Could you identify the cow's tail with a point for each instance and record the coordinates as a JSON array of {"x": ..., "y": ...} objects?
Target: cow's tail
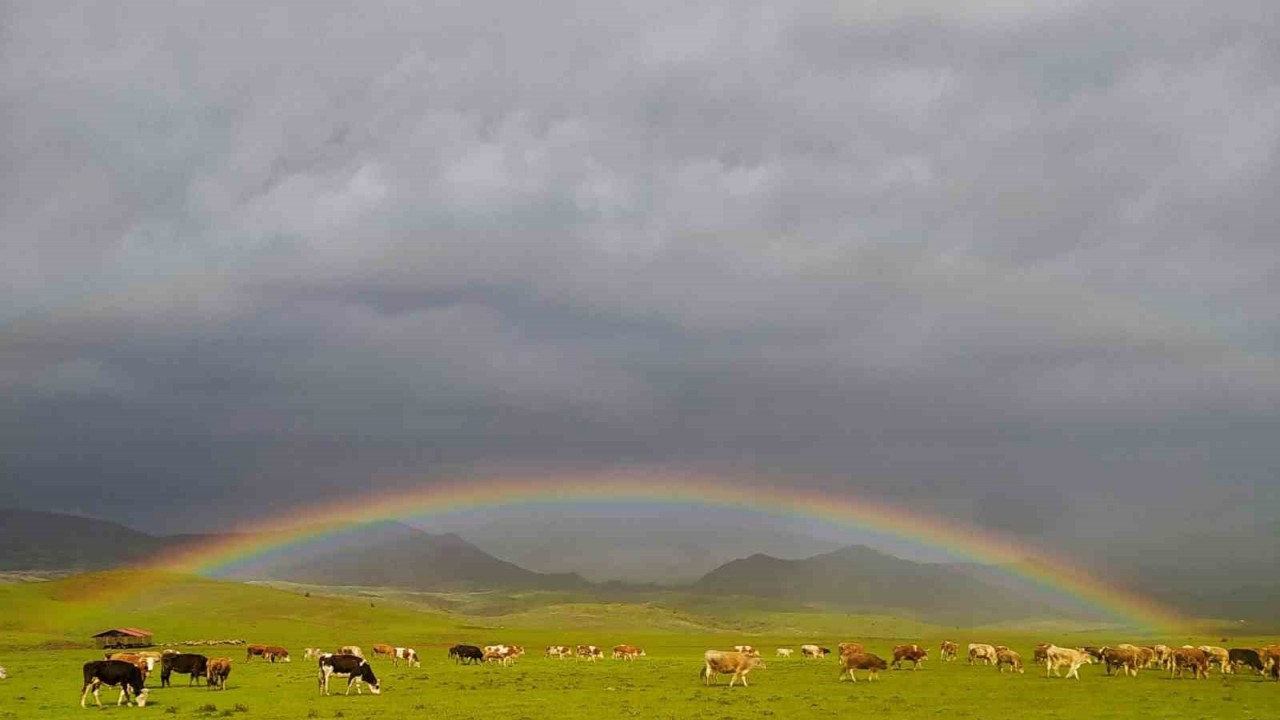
[{"x": 702, "y": 674}]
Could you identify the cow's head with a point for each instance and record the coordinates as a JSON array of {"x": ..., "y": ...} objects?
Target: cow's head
[
  {"x": 375, "y": 688},
  {"x": 141, "y": 698}
]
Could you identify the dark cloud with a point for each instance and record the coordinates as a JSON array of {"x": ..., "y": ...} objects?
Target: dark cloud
[{"x": 949, "y": 255}]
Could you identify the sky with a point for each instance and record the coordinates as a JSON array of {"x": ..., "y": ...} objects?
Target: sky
[{"x": 1011, "y": 262}]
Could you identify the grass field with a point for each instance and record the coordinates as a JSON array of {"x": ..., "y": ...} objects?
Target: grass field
[{"x": 44, "y": 629}]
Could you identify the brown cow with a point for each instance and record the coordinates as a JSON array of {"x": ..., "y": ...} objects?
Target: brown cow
[
  {"x": 850, "y": 648},
  {"x": 914, "y": 653},
  {"x": 145, "y": 665},
  {"x": 254, "y": 650},
  {"x": 216, "y": 675},
  {"x": 1121, "y": 658},
  {"x": 381, "y": 649},
  {"x": 1010, "y": 658},
  {"x": 1189, "y": 657},
  {"x": 275, "y": 653},
  {"x": 628, "y": 652},
  {"x": 716, "y": 662},
  {"x": 862, "y": 661},
  {"x": 1041, "y": 653}
]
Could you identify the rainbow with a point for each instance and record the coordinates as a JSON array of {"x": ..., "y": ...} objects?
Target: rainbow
[{"x": 305, "y": 526}]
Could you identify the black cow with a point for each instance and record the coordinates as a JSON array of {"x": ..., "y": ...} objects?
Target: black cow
[
  {"x": 466, "y": 654},
  {"x": 113, "y": 672},
  {"x": 352, "y": 667},
  {"x": 1245, "y": 656},
  {"x": 197, "y": 666}
]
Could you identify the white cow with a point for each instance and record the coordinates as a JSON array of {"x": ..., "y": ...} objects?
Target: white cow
[
  {"x": 409, "y": 655},
  {"x": 784, "y": 652},
  {"x": 813, "y": 651},
  {"x": 982, "y": 652},
  {"x": 1056, "y": 657}
]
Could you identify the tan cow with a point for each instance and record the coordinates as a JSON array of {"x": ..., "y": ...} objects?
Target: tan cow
[
  {"x": 862, "y": 661},
  {"x": 748, "y": 649},
  {"x": 1218, "y": 655},
  {"x": 716, "y": 662},
  {"x": 627, "y": 652},
  {"x": 1072, "y": 659},
  {"x": 813, "y": 651},
  {"x": 949, "y": 650},
  {"x": 1010, "y": 658},
  {"x": 982, "y": 652},
  {"x": 1189, "y": 657},
  {"x": 383, "y": 650},
  {"x": 351, "y": 650},
  {"x": 784, "y": 652},
  {"x": 850, "y": 648},
  {"x": 217, "y": 672},
  {"x": 1121, "y": 658}
]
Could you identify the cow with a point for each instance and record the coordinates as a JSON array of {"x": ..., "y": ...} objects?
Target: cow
[
  {"x": 352, "y": 667},
  {"x": 1121, "y": 658},
  {"x": 219, "y": 669},
  {"x": 1010, "y": 658},
  {"x": 145, "y": 664},
  {"x": 982, "y": 652},
  {"x": 311, "y": 653},
  {"x": 113, "y": 672},
  {"x": 627, "y": 652},
  {"x": 716, "y": 662},
  {"x": 849, "y": 648},
  {"x": 197, "y": 666},
  {"x": 381, "y": 649},
  {"x": 1247, "y": 657},
  {"x": 466, "y": 654},
  {"x": 275, "y": 653},
  {"x": 1218, "y": 655},
  {"x": 350, "y": 650},
  {"x": 1096, "y": 652},
  {"x": 558, "y": 651},
  {"x": 748, "y": 649},
  {"x": 1164, "y": 655},
  {"x": 784, "y": 652},
  {"x": 506, "y": 654},
  {"x": 1146, "y": 656},
  {"x": 590, "y": 652},
  {"x": 861, "y": 661},
  {"x": 813, "y": 651},
  {"x": 1041, "y": 653},
  {"x": 1072, "y": 659},
  {"x": 255, "y": 650},
  {"x": 1189, "y": 657},
  {"x": 914, "y": 653},
  {"x": 948, "y": 650},
  {"x": 3, "y": 673},
  {"x": 409, "y": 655}
]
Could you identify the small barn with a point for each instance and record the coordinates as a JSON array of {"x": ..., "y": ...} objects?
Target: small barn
[{"x": 127, "y": 637}]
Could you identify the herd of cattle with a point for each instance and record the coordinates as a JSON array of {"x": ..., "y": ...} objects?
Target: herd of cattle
[{"x": 129, "y": 670}]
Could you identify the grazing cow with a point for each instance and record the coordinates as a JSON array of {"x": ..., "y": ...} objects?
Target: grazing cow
[
  {"x": 627, "y": 652},
  {"x": 1010, "y": 658},
  {"x": 409, "y": 655},
  {"x": 466, "y": 654},
  {"x": 311, "y": 653},
  {"x": 784, "y": 652},
  {"x": 1189, "y": 657},
  {"x": 849, "y": 648},
  {"x": 861, "y": 661},
  {"x": 275, "y": 653},
  {"x": 982, "y": 652},
  {"x": 1247, "y": 657},
  {"x": 1164, "y": 655},
  {"x": 813, "y": 651},
  {"x": 558, "y": 651},
  {"x": 380, "y": 649},
  {"x": 219, "y": 669},
  {"x": 914, "y": 653},
  {"x": 1121, "y": 658},
  {"x": 721, "y": 661},
  {"x": 197, "y": 666},
  {"x": 949, "y": 649},
  {"x": 352, "y": 667},
  {"x": 1072, "y": 659},
  {"x": 350, "y": 650},
  {"x": 590, "y": 652},
  {"x": 113, "y": 672},
  {"x": 1218, "y": 655},
  {"x": 250, "y": 651},
  {"x": 748, "y": 649}
]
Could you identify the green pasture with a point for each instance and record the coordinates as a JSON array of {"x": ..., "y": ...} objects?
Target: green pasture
[{"x": 44, "y": 629}]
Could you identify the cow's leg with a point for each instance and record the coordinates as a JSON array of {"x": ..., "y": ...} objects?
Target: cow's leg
[
  {"x": 97, "y": 685},
  {"x": 84, "y": 693}
]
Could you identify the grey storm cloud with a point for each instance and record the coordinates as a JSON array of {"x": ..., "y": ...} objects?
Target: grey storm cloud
[{"x": 972, "y": 257}]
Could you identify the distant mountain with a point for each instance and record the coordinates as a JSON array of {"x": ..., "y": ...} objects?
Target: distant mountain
[
  {"x": 858, "y": 578},
  {"x": 31, "y": 540},
  {"x": 391, "y": 554}
]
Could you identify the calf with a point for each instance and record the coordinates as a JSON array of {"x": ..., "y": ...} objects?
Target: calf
[
  {"x": 1010, "y": 658},
  {"x": 353, "y": 667},
  {"x": 783, "y": 652},
  {"x": 113, "y": 672},
  {"x": 861, "y": 661},
  {"x": 913, "y": 653},
  {"x": 716, "y": 662},
  {"x": 949, "y": 649},
  {"x": 197, "y": 666},
  {"x": 466, "y": 654},
  {"x": 216, "y": 676}
]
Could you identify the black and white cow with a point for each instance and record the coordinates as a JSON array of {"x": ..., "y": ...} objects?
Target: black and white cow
[
  {"x": 466, "y": 654},
  {"x": 197, "y": 666},
  {"x": 356, "y": 669},
  {"x": 113, "y": 672}
]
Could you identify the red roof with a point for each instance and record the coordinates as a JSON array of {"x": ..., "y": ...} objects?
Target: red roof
[{"x": 131, "y": 632}]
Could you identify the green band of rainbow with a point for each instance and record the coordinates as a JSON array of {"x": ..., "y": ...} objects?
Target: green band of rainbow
[{"x": 841, "y": 509}]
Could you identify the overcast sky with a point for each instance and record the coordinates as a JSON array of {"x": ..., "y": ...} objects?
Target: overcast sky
[{"x": 1015, "y": 262}]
